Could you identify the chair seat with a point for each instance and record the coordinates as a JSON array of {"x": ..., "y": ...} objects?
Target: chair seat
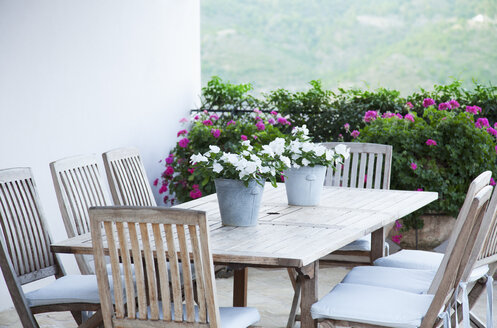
[
  {"x": 412, "y": 259},
  {"x": 231, "y": 317},
  {"x": 67, "y": 289},
  {"x": 361, "y": 244},
  {"x": 372, "y": 305},
  {"x": 422, "y": 260}
]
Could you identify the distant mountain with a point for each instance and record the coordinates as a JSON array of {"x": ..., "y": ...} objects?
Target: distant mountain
[{"x": 403, "y": 44}]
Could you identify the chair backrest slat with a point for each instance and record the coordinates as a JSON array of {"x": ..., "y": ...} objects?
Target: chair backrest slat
[
  {"x": 78, "y": 186},
  {"x": 368, "y": 166},
  {"x": 127, "y": 178},
  {"x": 180, "y": 236},
  {"x": 458, "y": 259},
  {"x": 22, "y": 227}
]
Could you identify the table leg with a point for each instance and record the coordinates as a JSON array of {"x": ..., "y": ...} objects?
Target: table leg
[
  {"x": 377, "y": 244},
  {"x": 309, "y": 294},
  {"x": 240, "y": 280}
]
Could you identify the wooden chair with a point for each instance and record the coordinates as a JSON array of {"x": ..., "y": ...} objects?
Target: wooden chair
[
  {"x": 153, "y": 235},
  {"x": 369, "y": 166},
  {"x": 78, "y": 186},
  {"x": 25, "y": 256},
  {"x": 127, "y": 178},
  {"x": 355, "y": 305}
]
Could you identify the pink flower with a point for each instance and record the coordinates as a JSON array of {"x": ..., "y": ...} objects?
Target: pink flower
[
  {"x": 207, "y": 122},
  {"x": 195, "y": 193},
  {"x": 214, "y": 117},
  {"x": 427, "y": 102},
  {"x": 172, "y": 201},
  {"x": 355, "y": 134},
  {"x": 444, "y": 106},
  {"x": 260, "y": 126},
  {"x": 258, "y": 111},
  {"x": 495, "y": 125},
  {"x": 399, "y": 115},
  {"x": 419, "y": 189},
  {"x": 258, "y": 118},
  {"x": 230, "y": 123},
  {"x": 414, "y": 166},
  {"x": 206, "y": 112},
  {"x": 183, "y": 120},
  {"x": 216, "y": 133},
  {"x": 181, "y": 132},
  {"x": 492, "y": 182},
  {"x": 496, "y": 149},
  {"x": 370, "y": 116},
  {"x": 454, "y": 104},
  {"x": 183, "y": 143},
  {"x": 346, "y": 127},
  {"x": 397, "y": 238},
  {"x": 473, "y": 109},
  {"x": 431, "y": 142},
  {"x": 156, "y": 181},
  {"x": 409, "y": 104},
  {"x": 169, "y": 170},
  {"x": 282, "y": 177},
  {"x": 492, "y": 131},
  {"x": 255, "y": 137},
  {"x": 271, "y": 121},
  {"x": 481, "y": 122},
  {"x": 196, "y": 118},
  {"x": 409, "y": 117},
  {"x": 170, "y": 159},
  {"x": 195, "y": 186},
  {"x": 282, "y": 120},
  {"x": 165, "y": 199},
  {"x": 398, "y": 225},
  {"x": 163, "y": 189},
  {"x": 273, "y": 112},
  {"x": 243, "y": 137},
  {"x": 191, "y": 170}
]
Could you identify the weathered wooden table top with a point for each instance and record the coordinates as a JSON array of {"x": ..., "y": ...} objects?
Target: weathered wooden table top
[{"x": 294, "y": 236}]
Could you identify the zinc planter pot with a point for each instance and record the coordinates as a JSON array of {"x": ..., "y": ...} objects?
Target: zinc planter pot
[
  {"x": 239, "y": 205},
  {"x": 304, "y": 185}
]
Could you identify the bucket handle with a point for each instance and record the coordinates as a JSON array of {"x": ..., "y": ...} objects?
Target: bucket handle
[{"x": 310, "y": 177}]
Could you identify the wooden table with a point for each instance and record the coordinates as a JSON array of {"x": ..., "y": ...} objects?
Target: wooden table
[{"x": 295, "y": 236}]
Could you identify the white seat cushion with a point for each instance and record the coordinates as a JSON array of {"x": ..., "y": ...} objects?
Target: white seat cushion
[
  {"x": 231, "y": 317},
  {"x": 361, "y": 244},
  {"x": 409, "y": 280},
  {"x": 422, "y": 260},
  {"x": 373, "y": 305},
  {"x": 67, "y": 289},
  {"x": 412, "y": 259}
]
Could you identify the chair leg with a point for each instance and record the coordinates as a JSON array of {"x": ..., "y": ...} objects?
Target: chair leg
[
  {"x": 292, "y": 274},
  {"x": 94, "y": 321},
  {"x": 295, "y": 303},
  {"x": 78, "y": 317}
]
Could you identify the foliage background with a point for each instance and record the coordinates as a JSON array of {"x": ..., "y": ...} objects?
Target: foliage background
[{"x": 402, "y": 45}]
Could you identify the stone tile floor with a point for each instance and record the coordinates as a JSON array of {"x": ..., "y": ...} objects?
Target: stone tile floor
[{"x": 270, "y": 291}]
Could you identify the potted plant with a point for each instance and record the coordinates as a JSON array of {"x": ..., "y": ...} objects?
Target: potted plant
[
  {"x": 306, "y": 171},
  {"x": 239, "y": 178}
]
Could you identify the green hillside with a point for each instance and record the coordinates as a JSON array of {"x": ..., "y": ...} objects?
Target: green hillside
[{"x": 403, "y": 44}]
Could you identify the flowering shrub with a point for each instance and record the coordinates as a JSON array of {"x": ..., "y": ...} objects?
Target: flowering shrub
[
  {"x": 246, "y": 164},
  {"x": 441, "y": 151},
  {"x": 178, "y": 182},
  {"x": 300, "y": 151}
]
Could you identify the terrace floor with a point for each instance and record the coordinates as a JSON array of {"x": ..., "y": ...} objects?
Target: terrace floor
[{"x": 270, "y": 292}]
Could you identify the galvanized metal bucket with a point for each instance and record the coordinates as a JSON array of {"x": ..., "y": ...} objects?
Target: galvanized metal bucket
[
  {"x": 239, "y": 205},
  {"x": 304, "y": 185}
]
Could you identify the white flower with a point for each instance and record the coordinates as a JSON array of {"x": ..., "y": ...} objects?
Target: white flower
[
  {"x": 295, "y": 147},
  {"x": 295, "y": 165},
  {"x": 214, "y": 149},
  {"x": 264, "y": 169},
  {"x": 216, "y": 167},
  {"x": 247, "y": 144},
  {"x": 229, "y": 158},
  {"x": 307, "y": 146},
  {"x": 295, "y": 156},
  {"x": 286, "y": 161},
  {"x": 277, "y": 146},
  {"x": 198, "y": 158},
  {"x": 245, "y": 153},
  {"x": 319, "y": 150},
  {"x": 266, "y": 149},
  {"x": 343, "y": 150},
  {"x": 329, "y": 154},
  {"x": 305, "y": 162}
]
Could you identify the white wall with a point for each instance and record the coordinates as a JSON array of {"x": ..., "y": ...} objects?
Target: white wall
[{"x": 80, "y": 77}]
